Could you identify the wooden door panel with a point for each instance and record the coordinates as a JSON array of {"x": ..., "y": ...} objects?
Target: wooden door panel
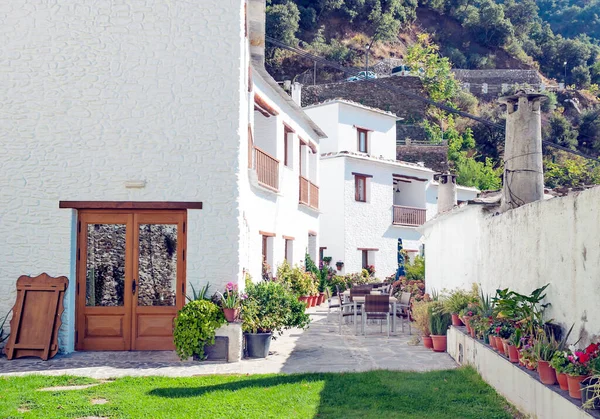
[
  {"x": 104, "y": 281},
  {"x": 158, "y": 266}
]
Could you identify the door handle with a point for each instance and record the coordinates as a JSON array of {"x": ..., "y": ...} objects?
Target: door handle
[{"x": 133, "y": 286}]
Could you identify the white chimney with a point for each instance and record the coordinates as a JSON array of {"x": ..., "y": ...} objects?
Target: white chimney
[
  {"x": 523, "y": 163},
  {"x": 256, "y": 26},
  {"x": 297, "y": 93},
  {"x": 447, "y": 199}
]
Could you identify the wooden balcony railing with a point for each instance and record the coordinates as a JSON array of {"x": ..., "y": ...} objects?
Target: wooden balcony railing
[
  {"x": 309, "y": 193},
  {"x": 409, "y": 216},
  {"x": 267, "y": 169},
  {"x": 314, "y": 195}
]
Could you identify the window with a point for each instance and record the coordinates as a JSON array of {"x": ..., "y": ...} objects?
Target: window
[
  {"x": 287, "y": 146},
  {"x": 321, "y": 254},
  {"x": 360, "y": 184},
  {"x": 288, "y": 252},
  {"x": 363, "y": 140},
  {"x": 365, "y": 259},
  {"x": 267, "y": 254}
]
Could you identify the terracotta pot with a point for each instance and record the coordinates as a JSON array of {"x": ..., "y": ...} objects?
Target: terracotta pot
[
  {"x": 505, "y": 346},
  {"x": 563, "y": 382},
  {"x": 305, "y": 299},
  {"x": 427, "y": 342},
  {"x": 529, "y": 367},
  {"x": 439, "y": 343},
  {"x": 472, "y": 333},
  {"x": 492, "y": 340},
  {"x": 231, "y": 314},
  {"x": 547, "y": 373},
  {"x": 574, "y": 388},
  {"x": 322, "y": 298},
  {"x": 313, "y": 300},
  {"x": 497, "y": 343},
  {"x": 456, "y": 321},
  {"x": 513, "y": 354}
]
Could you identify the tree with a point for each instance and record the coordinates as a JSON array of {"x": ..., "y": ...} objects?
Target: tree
[
  {"x": 581, "y": 76},
  {"x": 589, "y": 132},
  {"x": 562, "y": 132},
  {"x": 282, "y": 22},
  {"x": 570, "y": 171}
]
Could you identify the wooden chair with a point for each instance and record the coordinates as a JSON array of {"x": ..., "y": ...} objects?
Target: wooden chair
[
  {"x": 403, "y": 309},
  {"x": 332, "y": 302},
  {"x": 346, "y": 307},
  {"x": 377, "y": 307}
]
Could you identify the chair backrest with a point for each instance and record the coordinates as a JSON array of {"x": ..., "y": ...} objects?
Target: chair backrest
[
  {"x": 327, "y": 293},
  {"x": 391, "y": 291},
  {"x": 377, "y": 304},
  {"x": 354, "y": 291},
  {"x": 405, "y": 298}
]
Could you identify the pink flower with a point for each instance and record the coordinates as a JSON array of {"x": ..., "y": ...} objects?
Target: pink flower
[{"x": 229, "y": 286}]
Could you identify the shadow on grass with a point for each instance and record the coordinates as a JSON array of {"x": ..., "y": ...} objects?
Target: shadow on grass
[{"x": 442, "y": 394}]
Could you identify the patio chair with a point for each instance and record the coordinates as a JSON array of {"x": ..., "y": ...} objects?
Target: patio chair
[
  {"x": 403, "y": 309},
  {"x": 346, "y": 308},
  {"x": 332, "y": 302},
  {"x": 377, "y": 307}
]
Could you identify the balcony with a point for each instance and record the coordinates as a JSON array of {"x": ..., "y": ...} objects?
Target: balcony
[
  {"x": 267, "y": 169},
  {"x": 309, "y": 193},
  {"x": 409, "y": 216}
]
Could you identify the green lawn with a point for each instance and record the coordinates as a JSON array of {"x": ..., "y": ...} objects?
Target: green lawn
[{"x": 378, "y": 394}]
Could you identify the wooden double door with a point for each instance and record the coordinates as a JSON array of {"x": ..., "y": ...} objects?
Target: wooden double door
[{"x": 130, "y": 279}]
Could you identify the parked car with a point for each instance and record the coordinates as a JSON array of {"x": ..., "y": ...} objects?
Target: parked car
[
  {"x": 404, "y": 70},
  {"x": 366, "y": 75},
  {"x": 352, "y": 78}
]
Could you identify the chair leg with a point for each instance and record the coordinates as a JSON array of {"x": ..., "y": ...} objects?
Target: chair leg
[
  {"x": 341, "y": 319},
  {"x": 387, "y": 324},
  {"x": 364, "y": 329}
]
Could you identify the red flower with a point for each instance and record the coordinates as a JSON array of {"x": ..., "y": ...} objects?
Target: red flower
[
  {"x": 582, "y": 358},
  {"x": 592, "y": 348}
]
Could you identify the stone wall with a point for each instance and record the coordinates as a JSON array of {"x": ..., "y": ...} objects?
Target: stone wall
[
  {"x": 434, "y": 157},
  {"x": 412, "y": 132},
  {"x": 374, "y": 94},
  {"x": 553, "y": 241},
  {"x": 494, "y": 81}
]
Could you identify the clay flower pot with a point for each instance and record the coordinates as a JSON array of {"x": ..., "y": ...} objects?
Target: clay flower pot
[
  {"x": 529, "y": 366},
  {"x": 313, "y": 300},
  {"x": 563, "y": 382},
  {"x": 505, "y": 346},
  {"x": 427, "y": 342},
  {"x": 305, "y": 299},
  {"x": 456, "y": 321},
  {"x": 439, "y": 343},
  {"x": 492, "y": 340},
  {"x": 547, "y": 373},
  {"x": 231, "y": 314},
  {"x": 574, "y": 388},
  {"x": 513, "y": 354},
  {"x": 321, "y": 298}
]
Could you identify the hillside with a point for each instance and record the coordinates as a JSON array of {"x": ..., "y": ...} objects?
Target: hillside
[{"x": 467, "y": 34}]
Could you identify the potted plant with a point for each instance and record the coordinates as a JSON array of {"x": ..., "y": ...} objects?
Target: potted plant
[
  {"x": 545, "y": 348},
  {"x": 195, "y": 327},
  {"x": 327, "y": 260},
  {"x": 420, "y": 313},
  {"x": 269, "y": 307},
  {"x": 506, "y": 330},
  {"x": 439, "y": 322},
  {"x": 577, "y": 370},
  {"x": 527, "y": 355},
  {"x": 339, "y": 265},
  {"x": 560, "y": 361},
  {"x": 514, "y": 343},
  {"x": 590, "y": 387},
  {"x": 230, "y": 301},
  {"x": 455, "y": 303}
]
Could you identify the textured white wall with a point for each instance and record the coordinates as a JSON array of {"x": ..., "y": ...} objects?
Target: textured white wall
[
  {"x": 332, "y": 219},
  {"x": 327, "y": 117},
  {"x": 554, "y": 242},
  {"x": 99, "y": 93}
]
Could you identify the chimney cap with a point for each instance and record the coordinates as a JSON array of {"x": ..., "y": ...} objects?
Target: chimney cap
[
  {"x": 437, "y": 176},
  {"x": 526, "y": 93}
]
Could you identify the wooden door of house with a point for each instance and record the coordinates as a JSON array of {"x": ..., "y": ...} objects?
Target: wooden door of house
[{"x": 131, "y": 279}]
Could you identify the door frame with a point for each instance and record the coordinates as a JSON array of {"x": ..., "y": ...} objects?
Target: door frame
[{"x": 130, "y": 307}]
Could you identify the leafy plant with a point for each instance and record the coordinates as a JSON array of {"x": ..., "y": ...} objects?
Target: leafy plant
[
  {"x": 526, "y": 309},
  {"x": 3, "y": 335},
  {"x": 560, "y": 360},
  {"x": 515, "y": 338},
  {"x": 195, "y": 327},
  {"x": 420, "y": 314},
  {"x": 231, "y": 298},
  {"x": 200, "y": 295},
  {"x": 439, "y": 319},
  {"x": 271, "y": 307},
  {"x": 456, "y": 301}
]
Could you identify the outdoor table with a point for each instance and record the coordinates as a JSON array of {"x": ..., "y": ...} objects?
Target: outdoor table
[{"x": 360, "y": 299}]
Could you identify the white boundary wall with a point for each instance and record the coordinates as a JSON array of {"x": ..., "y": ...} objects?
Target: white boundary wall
[{"x": 555, "y": 241}]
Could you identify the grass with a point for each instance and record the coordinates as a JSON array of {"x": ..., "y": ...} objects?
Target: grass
[{"x": 457, "y": 393}]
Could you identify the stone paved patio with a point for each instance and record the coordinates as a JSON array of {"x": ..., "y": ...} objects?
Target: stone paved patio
[{"x": 318, "y": 349}]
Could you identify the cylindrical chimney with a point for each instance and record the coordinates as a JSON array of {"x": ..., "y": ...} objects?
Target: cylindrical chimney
[
  {"x": 446, "y": 191},
  {"x": 523, "y": 163},
  {"x": 256, "y": 26}
]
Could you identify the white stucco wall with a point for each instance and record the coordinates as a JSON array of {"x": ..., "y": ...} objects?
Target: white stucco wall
[
  {"x": 278, "y": 212},
  {"x": 95, "y": 95},
  {"x": 339, "y": 120},
  {"x": 554, "y": 241}
]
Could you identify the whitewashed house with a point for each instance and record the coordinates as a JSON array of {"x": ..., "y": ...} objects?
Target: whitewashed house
[
  {"x": 144, "y": 148},
  {"x": 369, "y": 199}
]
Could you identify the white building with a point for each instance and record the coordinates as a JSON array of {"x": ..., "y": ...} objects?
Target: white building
[
  {"x": 131, "y": 135},
  {"x": 368, "y": 198}
]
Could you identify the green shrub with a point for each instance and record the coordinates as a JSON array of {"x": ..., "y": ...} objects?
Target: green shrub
[
  {"x": 456, "y": 301},
  {"x": 195, "y": 327},
  {"x": 439, "y": 320},
  {"x": 272, "y": 307}
]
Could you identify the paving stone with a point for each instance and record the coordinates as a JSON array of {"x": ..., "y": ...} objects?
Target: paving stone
[{"x": 320, "y": 348}]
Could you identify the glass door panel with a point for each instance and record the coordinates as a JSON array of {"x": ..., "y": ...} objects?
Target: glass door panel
[{"x": 157, "y": 262}]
